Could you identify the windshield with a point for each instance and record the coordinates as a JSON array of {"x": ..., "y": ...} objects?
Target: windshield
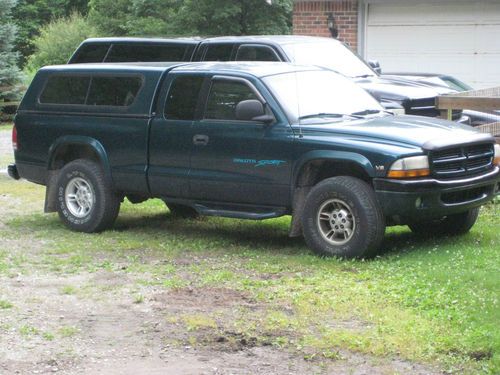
[
  {"x": 329, "y": 54},
  {"x": 321, "y": 96}
]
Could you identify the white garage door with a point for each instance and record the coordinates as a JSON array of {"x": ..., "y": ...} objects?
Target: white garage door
[{"x": 460, "y": 38}]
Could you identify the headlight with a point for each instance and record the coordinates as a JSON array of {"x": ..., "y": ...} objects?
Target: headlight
[
  {"x": 414, "y": 166},
  {"x": 496, "y": 160}
]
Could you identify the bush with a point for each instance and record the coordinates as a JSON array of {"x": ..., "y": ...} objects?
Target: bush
[{"x": 58, "y": 40}]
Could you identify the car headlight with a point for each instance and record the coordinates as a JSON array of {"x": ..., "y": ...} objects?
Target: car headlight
[
  {"x": 413, "y": 166},
  {"x": 496, "y": 159}
]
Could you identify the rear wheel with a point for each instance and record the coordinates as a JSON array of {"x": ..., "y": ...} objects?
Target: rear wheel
[
  {"x": 343, "y": 218},
  {"x": 450, "y": 225},
  {"x": 85, "y": 199}
]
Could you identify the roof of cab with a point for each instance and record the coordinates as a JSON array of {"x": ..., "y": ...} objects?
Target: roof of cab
[
  {"x": 258, "y": 69},
  {"x": 129, "y": 40},
  {"x": 273, "y": 39}
]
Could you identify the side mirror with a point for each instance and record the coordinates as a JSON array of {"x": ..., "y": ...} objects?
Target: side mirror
[
  {"x": 252, "y": 110},
  {"x": 375, "y": 65}
]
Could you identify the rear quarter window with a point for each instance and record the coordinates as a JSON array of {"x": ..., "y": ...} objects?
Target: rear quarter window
[
  {"x": 218, "y": 52},
  {"x": 88, "y": 90}
]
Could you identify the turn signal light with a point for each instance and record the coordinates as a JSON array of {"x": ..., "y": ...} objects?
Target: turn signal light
[
  {"x": 409, "y": 173},
  {"x": 496, "y": 160}
]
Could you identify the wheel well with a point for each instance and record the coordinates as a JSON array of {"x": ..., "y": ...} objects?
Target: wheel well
[
  {"x": 319, "y": 170},
  {"x": 314, "y": 172},
  {"x": 70, "y": 152}
]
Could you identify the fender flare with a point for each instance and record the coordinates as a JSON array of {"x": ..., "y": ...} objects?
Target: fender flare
[
  {"x": 69, "y": 140},
  {"x": 334, "y": 156}
]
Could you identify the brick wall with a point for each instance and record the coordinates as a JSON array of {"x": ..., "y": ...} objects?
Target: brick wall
[{"x": 310, "y": 18}]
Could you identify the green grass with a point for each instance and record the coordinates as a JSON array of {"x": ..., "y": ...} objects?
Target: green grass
[{"x": 430, "y": 300}]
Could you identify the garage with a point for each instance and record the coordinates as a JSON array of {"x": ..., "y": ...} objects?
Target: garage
[{"x": 460, "y": 38}]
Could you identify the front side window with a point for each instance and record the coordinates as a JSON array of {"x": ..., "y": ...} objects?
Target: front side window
[
  {"x": 65, "y": 90},
  {"x": 182, "y": 98},
  {"x": 256, "y": 53},
  {"x": 223, "y": 98},
  {"x": 113, "y": 91}
]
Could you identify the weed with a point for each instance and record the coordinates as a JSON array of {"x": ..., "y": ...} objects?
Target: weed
[{"x": 5, "y": 304}]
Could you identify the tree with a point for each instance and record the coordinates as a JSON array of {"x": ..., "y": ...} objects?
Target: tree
[
  {"x": 236, "y": 17},
  {"x": 10, "y": 76},
  {"x": 134, "y": 17},
  {"x": 58, "y": 40},
  {"x": 190, "y": 17},
  {"x": 31, "y": 15}
]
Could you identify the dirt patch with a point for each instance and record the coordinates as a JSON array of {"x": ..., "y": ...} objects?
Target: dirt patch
[{"x": 200, "y": 299}]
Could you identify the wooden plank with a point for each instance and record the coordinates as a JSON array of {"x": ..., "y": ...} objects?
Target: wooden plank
[
  {"x": 9, "y": 104},
  {"x": 8, "y": 88},
  {"x": 477, "y": 103},
  {"x": 493, "y": 128}
]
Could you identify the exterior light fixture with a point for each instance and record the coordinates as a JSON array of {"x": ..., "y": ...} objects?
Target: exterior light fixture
[{"x": 330, "y": 21}]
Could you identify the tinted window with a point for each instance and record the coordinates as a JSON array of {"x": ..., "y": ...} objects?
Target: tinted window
[
  {"x": 183, "y": 97},
  {"x": 89, "y": 53},
  {"x": 256, "y": 53},
  {"x": 113, "y": 91},
  {"x": 147, "y": 53},
  {"x": 65, "y": 90},
  {"x": 223, "y": 98},
  {"x": 219, "y": 52}
]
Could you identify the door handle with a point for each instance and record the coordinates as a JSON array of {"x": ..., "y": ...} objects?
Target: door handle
[{"x": 200, "y": 140}]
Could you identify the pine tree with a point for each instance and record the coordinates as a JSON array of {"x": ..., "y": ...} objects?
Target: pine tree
[{"x": 10, "y": 76}]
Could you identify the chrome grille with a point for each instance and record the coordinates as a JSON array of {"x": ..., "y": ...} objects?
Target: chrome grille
[{"x": 461, "y": 161}]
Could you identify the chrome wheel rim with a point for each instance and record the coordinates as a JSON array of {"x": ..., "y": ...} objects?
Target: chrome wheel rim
[
  {"x": 79, "y": 197},
  {"x": 336, "y": 222}
]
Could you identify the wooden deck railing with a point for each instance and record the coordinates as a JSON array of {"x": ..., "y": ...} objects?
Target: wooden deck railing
[{"x": 485, "y": 100}]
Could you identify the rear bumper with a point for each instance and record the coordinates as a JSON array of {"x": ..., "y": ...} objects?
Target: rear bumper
[
  {"x": 12, "y": 171},
  {"x": 405, "y": 200}
]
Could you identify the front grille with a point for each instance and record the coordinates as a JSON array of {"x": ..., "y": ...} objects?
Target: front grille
[
  {"x": 461, "y": 161},
  {"x": 426, "y": 107}
]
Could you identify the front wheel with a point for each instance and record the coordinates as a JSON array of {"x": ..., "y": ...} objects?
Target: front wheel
[
  {"x": 451, "y": 225},
  {"x": 343, "y": 218},
  {"x": 85, "y": 199}
]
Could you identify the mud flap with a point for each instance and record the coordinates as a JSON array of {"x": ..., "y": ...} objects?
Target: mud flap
[
  {"x": 299, "y": 200},
  {"x": 51, "y": 192}
]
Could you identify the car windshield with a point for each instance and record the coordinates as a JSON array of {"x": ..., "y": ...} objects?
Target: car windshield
[
  {"x": 329, "y": 54},
  {"x": 321, "y": 96}
]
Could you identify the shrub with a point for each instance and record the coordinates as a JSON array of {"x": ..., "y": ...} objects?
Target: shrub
[{"x": 58, "y": 40}]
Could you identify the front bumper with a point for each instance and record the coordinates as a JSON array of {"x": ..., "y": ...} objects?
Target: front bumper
[
  {"x": 12, "y": 171},
  {"x": 407, "y": 200}
]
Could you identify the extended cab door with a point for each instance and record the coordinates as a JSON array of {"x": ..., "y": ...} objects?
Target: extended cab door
[
  {"x": 239, "y": 161},
  {"x": 171, "y": 135}
]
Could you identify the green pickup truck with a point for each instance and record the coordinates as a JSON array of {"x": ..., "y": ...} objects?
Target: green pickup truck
[{"x": 248, "y": 140}]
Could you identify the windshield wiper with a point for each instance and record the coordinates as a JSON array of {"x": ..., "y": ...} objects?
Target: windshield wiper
[
  {"x": 325, "y": 114},
  {"x": 366, "y": 112},
  {"x": 364, "y": 76}
]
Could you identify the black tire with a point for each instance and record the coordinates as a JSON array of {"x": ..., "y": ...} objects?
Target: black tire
[
  {"x": 182, "y": 211},
  {"x": 451, "y": 225},
  {"x": 99, "y": 210},
  {"x": 366, "y": 222}
]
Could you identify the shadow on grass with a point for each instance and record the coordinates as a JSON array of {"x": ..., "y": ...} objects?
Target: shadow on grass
[{"x": 269, "y": 237}]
